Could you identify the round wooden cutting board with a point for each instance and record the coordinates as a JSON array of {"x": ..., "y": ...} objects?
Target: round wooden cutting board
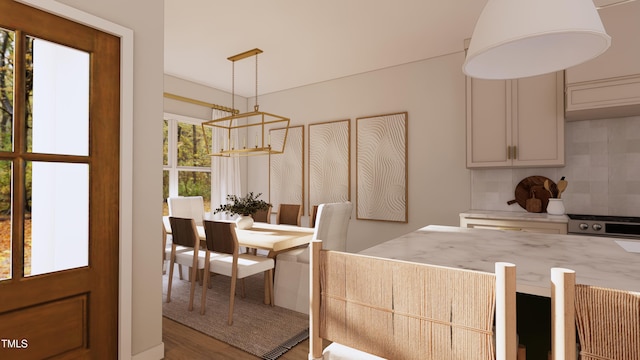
[{"x": 528, "y": 185}]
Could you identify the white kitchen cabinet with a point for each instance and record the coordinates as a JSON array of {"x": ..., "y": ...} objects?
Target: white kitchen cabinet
[
  {"x": 515, "y": 123},
  {"x": 609, "y": 85},
  {"x": 514, "y": 221}
]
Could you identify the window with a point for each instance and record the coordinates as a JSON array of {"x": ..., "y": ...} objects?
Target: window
[
  {"x": 44, "y": 156},
  {"x": 187, "y": 163}
]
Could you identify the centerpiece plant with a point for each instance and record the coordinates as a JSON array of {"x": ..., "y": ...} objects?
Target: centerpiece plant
[{"x": 244, "y": 206}]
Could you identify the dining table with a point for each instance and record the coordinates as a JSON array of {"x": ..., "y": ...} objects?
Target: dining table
[{"x": 273, "y": 238}]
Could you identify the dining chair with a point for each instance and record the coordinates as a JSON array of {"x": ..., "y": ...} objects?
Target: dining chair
[
  {"x": 313, "y": 215},
  {"x": 166, "y": 250},
  {"x": 263, "y": 216},
  {"x": 187, "y": 207},
  {"x": 289, "y": 214},
  {"x": 185, "y": 233},
  {"x": 371, "y": 308},
  {"x": 607, "y": 320},
  {"x": 292, "y": 270},
  {"x": 222, "y": 257}
]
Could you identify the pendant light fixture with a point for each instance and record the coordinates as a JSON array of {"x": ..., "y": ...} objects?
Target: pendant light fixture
[
  {"x": 521, "y": 38},
  {"x": 248, "y": 133}
]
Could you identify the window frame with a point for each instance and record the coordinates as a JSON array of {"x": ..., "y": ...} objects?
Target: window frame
[{"x": 172, "y": 152}]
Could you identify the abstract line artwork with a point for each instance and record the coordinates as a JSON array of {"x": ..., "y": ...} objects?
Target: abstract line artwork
[
  {"x": 329, "y": 162},
  {"x": 381, "y": 168},
  {"x": 286, "y": 170}
]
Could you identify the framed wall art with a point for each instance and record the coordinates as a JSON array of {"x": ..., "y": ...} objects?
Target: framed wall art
[
  {"x": 381, "y": 168},
  {"x": 286, "y": 170},
  {"x": 329, "y": 162}
]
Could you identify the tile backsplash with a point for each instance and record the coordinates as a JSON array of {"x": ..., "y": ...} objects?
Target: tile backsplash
[{"x": 602, "y": 168}]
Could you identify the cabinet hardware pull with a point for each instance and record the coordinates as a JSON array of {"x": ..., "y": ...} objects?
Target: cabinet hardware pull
[{"x": 515, "y": 153}]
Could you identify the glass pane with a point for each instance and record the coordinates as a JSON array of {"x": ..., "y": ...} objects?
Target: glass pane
[
  {"x": 5, "y": 220},
  {"x": 59, "y": 209},
  {"x": 165, "y": 143},
  {"x": 6, "y": 90},
  {"x": 192, "y": 149},
  {"x": 60, "y": 99},
  {"x": 165, "y": 192},
  {"x": 194, "y": 183}
]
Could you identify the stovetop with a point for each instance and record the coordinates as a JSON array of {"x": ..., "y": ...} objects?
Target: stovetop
[
  {"x": 605, "y": 218},
  {"x": 607, "y": 225}
]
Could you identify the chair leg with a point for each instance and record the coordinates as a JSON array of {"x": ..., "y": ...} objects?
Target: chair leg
[
  {"x": 194, "y": 274},
  {"x": 171, "y": 262},
  {"x": 180, "y": 271},
  {"x": 270, "y": 286},
  {"x": 232, "y": 295},
  {"x": 268, "y": 279},
  {"x": 207, "y": 282}
]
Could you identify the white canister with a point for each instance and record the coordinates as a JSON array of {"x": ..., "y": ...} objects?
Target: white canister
[{"x": 555, "y": 207}]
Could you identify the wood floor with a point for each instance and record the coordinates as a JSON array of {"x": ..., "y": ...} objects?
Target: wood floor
[{"x": 182, "y": 343}]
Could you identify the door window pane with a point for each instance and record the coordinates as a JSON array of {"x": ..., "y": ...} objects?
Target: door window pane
[
  {"x": 59, "y": 212},
  {"x": 6, "y": 89},
  {"x": 5, "y": 220},
  {"x": 60, "y": 85},
  {"x": 195, "y": 183},
  {"x": 192, "y": 149}
]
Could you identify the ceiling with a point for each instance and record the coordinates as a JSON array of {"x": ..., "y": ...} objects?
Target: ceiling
[{"x": 307, "y": 42}]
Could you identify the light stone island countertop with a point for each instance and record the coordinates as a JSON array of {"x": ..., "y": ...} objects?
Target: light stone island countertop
[
  {"x": 598, "y": 261},
  {"x": 514, "y": 215}
]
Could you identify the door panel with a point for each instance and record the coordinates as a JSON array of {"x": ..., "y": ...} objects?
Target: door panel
[
  {"x": 36, "y": 327},
  {"x": 59, "y": 298}
]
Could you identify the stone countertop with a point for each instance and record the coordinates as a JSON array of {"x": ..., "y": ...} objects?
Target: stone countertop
[
  {"x": 514, "y": 215},
  {"x": 598, "y": 261}
]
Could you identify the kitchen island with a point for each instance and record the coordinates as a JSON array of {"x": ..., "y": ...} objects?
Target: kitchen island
[{"x": 598, "y": 261}]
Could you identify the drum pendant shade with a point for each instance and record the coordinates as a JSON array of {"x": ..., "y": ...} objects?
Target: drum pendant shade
[{"x": 521, "y": 38}]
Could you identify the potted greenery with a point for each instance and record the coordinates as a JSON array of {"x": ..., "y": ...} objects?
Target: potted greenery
[{"x": 244, "y": 207}]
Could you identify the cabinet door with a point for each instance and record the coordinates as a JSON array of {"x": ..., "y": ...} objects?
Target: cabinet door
[
  {"x": 488, "y": 122},
  {"x": 623, "y": 56},
  {"x": 609, "y": 85},
  {"x": 538, "y": 120}
]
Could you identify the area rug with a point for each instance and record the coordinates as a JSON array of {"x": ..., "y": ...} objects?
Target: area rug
[{"x": 262, "y": 330}]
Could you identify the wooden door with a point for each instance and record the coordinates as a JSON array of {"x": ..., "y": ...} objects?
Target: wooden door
[{"x": 59, "y": 150}]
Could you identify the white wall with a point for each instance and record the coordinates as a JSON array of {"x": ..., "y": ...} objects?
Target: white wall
[
  {"x": 146, "y": 19},
  {"x": 433, "y": 93},
  {"x": 192, "y": 90}
]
